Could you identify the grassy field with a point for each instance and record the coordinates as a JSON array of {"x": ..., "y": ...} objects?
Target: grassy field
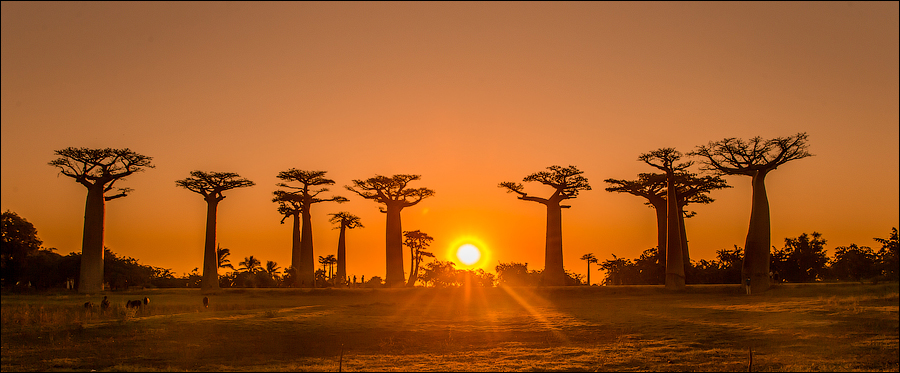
[{"x": 815, "y": 327}]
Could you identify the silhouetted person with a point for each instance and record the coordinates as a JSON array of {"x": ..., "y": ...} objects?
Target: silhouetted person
[
  {"x": 747, "y": 285},
  {"x": 205, "y": 302},
  {"x": 104, "y": 304}
]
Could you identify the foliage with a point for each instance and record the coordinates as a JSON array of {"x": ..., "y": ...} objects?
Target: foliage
[
  {"x": 854, "y": 263},
  {"x": 19, "y": 241},
  {"x": 888, "y": 256},
  {"x": 802, "y": 259},
  {"x": 517, "y": 274}
]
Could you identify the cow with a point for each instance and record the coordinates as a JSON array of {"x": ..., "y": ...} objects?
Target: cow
[
  {"x": 205, "y": 302},
  {"x": 134, "y": 304},
  {"x": 104, "y": 305},
  {"x": 89, "y": 308}
]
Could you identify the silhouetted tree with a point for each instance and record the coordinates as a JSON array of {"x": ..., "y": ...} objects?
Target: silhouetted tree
[
  {"x": 19, "y": 241},
  {"x": 755, "y": 158},
  {"x": 306, "y": 195},
  {"x": 566, "y": 182},
  {"x": 394, "y": 194},
  {"x": 417, "y": 241},
  {"x": 289, "y": 206},
  {"x": 516, "y": 274},
  {"x": 211, "y": 185},
  {"x": 250, "y": 264},
  {"x": 854, "y": 263},
  {"x": 619, "y": 271},
  {"x": 346, "y": 221},
  {"x": 440, "y": 273},
  {"x": 589, "y": 258},
  {"x": 805, "y": 258},
  {"x": 665, "y": 159},
  {"x": 888, "y": 255},
  {"x": 98, "y": 170}
]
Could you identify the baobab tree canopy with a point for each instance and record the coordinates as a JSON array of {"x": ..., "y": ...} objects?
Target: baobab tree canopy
[
  {"x": 300, "y": 201},
  {"x": 211, "y": 185},
  {"x": 755, "y": 158},
  {"x": 394, "y": 194},
  {"x": 98, "y": 170},
  {"x": 566, "y": 182}
]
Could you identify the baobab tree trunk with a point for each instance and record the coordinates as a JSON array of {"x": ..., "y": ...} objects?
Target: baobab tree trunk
[
  {"x": 661, "y": 238},
  {"x": 674, "y": 256},
  {"x": 341, "y": 252},
  {"x": 307, "y": 273},
  {"x": 295, "y": 251},
  {"x": 394, "y": 248},
  {"x": 210, "y": 281},
  {"x": 684, "y": 242},
  {"x": 756, "y": 248},
  {"x": 91, "y": 274},
  {"x": 554, "y": 275}
]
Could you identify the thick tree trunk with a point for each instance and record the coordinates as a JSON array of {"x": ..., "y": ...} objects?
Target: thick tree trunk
[
  {"x": 394, "y": 248},
  {"x": 91, "y": 274},
  {"x": 756, "y": 248},
  {"x": 341, "y": 253},
  {"x": 554, "y": 275},
  {"x": 674, "y": 256},
  {"x": 210, "y": 280},
  {"x": 307, "y": 274},
  {"x": 660, "y": 207},
  {"x": 684, "y": 243},
  {"x": 295, "y": 251}
]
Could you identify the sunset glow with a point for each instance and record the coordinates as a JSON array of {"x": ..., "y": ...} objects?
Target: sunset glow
[{"x": 468, "y": 254}]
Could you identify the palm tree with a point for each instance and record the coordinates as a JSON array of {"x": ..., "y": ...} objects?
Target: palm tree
[
  {"x": 222, "y": 255},
  {"x": 250, "y": 264},
  {"x": 589, "y": 258},
  {"x": 272, "y": 268}
]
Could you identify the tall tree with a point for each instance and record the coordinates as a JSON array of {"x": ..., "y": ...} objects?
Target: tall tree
[
  {"x": 394, "y": 194},
  {"x": 589, "y": 258},
  {"x": 417, "y": 241},
  {"x": 306, "y": 194},
  {"x": 211, "y": 185},
  {"x": 250, "y": 264},
  {"x": 566, "y": 182},
  {"x": 19, "y": 241},
  {"x": 346, "y": 221},
  {"x": 666, "y": 160},
  {"x": 690, "y": 189},
  {"x": 289, "y": 206},
  {"x": 98, "y": 170},
  {"x": 754, "y": 158}
]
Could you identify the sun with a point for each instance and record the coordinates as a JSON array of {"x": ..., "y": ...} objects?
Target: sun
[{"x": 468, "y": 254}]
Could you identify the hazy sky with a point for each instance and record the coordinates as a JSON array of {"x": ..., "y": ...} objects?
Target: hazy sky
[{"x": 465, "y": 94}]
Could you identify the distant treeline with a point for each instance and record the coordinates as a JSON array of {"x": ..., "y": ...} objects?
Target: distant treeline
[
  {"x": 27, "y": 265},
  {"x": 802, "y": 259}
]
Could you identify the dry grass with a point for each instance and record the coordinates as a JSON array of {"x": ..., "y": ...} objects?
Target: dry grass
[{"x": 706, "y": 328}]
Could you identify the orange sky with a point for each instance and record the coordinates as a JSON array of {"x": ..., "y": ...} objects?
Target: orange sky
[{"x": 466, "y": 94}]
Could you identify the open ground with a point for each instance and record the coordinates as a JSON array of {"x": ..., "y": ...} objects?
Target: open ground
[{"x": 807, "y": 327}]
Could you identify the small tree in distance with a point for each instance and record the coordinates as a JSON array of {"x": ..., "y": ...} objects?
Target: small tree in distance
[
  {"x": 346, "y": 221},
  {"x": 589, "y": 258},
  {"x": 211, "y": 185}
]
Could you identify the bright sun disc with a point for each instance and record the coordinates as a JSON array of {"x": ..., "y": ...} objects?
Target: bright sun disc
[{"x": 468, "y": 254}]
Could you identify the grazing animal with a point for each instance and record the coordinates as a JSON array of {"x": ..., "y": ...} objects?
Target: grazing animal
[
  {"x": 104, "y": 304},
  {"x": 206, "y": 302},
  {"x": 89, "y": 305},
  {"x": 133, "y": 304}
]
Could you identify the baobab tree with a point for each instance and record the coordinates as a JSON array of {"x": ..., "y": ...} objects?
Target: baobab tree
[
  {"x": 690, "y": 189},
  {"x": 754, "y": 158},
  {"x": 394, "y": 194},
  {"x": 417, "y": 241},
  {"x": 289, "y": 206},
  {"x": 305, "y": 195},
  {"x": 346, "y": 221},
  {"x": 566, "y": 182},
  {"x": 589, "y": 258},
  {"x": 665, "y": 159},
  {"x": 98, "y": 170},
  {"x": 211, "y": 185}
]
